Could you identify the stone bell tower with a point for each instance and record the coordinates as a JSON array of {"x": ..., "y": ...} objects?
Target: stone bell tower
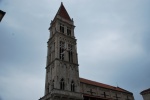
[{"x": 62, "y": 74}]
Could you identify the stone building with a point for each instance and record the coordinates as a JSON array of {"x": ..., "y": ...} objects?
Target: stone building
[
  {"x": 146, "y": 94},
  {"x": 62, "y": 74}
]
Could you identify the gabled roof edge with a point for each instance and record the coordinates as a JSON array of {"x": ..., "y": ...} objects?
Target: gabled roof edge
[{"x": 83, "y": 80}]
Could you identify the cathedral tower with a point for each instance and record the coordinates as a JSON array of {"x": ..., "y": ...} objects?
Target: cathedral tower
[{"x": 62, "y": 74}]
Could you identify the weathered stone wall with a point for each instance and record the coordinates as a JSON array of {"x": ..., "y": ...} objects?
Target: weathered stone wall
[{"x": 104, "y": 93}]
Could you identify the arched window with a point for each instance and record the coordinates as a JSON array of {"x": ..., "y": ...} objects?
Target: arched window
[
  {"x": 70, "y": 52},
  {"x": 47, "y": 88},
  {"x": 62, "y": 28},
  {"x": 62, "y": 84},
  {"x": 61, "y": 50},
  {"x": 72, "y": 86},
  {"x": 68, "y": 31},
  {"x": 52, "y": 84}
]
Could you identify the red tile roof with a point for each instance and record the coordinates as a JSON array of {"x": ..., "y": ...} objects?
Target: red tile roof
[
  {"x": 62, "y": 12},
  {"x": 144, "y": 91},
  {"x": 86, "y": 81}
]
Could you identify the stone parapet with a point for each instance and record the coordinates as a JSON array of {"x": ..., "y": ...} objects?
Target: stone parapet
[
  {"x": 68, "y": 94},
  {"x": 62, "y": 94}
]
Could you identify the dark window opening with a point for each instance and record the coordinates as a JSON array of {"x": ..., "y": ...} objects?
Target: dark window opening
[
  {"x": 48, "y": 88},
  {"x": 72, "y": 86},
  {"x": 62, "y": 28},
  {"x": 68, "y": 31},
  {"x": 52, "y": 84},
  {"x": 62, "y": 84},
  {"x": 116, "y": 96},
  {"x": 61, "y": 50},
  {"x": 105, "y": 95},
  {"x": 127, "y": 98},
  {"x": 70, "y": 53},
  {"x": 50, "y": 50}
]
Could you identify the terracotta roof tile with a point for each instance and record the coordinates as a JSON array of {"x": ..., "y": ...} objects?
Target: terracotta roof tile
[
  {"x": 62, "y": 12},
  {"x": 86, "y": 81}
]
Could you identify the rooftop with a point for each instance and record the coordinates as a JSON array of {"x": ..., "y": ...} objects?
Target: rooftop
[
  {"x": 86, "y": 81},
  {"x": 144, "y": 91},
  {"x": 62, "y": 12}
]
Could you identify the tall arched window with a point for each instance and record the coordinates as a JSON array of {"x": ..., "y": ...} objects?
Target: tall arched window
[
  {"x": 47, "y": 88},
  {"x": 52, "y": 84},
  {"x": 62, "y": 84},
  {"x": 61, "y": 50},
  {"x": 70, "y": 52},
  {"x": 72, "y": 86},
  {"x": 62, "y": 28}
]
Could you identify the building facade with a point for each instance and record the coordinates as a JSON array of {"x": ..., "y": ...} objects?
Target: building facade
[
  {"x": 146, "y": 94},
  {"x": 62, "y": 74}
]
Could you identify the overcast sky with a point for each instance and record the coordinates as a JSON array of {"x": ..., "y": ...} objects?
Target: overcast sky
[{"x": 113, "y": 41}]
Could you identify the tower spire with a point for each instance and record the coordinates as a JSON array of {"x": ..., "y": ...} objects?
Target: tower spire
[{"x": 62, "y": 12}]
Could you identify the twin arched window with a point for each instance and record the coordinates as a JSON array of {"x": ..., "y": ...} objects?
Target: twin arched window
[
  {"x": 63, "y": 28},
  {"x": 62, "y": 85}
]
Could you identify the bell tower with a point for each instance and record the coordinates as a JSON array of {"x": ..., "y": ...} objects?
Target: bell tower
[{"x": 62, "y": 74}]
